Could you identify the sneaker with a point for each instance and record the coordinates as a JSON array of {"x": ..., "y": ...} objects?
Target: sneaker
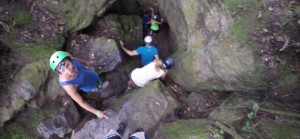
[
  {"x": 139, "y": 130},
  {"x": 122, "y": 127},
  {"x": 104, "y": 85}
]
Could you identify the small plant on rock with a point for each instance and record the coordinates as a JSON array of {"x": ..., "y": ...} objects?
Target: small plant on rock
[{"x": 248, "y": 126}]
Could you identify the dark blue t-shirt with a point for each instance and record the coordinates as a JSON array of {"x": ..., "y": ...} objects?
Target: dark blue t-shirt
[
  {"x": 146, "y": 19},
  {"x": 147, "y": 54}
]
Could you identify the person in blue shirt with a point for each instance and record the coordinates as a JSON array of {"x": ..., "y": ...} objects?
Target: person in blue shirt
[
  {"x": 73, "y": 75},
  {"x": 148, "y": 52}
]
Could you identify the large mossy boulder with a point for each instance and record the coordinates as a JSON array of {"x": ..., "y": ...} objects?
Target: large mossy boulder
[
  {"x": 132, "y": 7},
  {"x": 77, "y": 14},
  {"x": 207, "y": 55},
  {"x": 140, "y": 108},
  {"x": 26, "y": 86}
]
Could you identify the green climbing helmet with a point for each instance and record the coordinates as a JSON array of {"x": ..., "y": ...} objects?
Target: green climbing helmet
[{"x": 56, "y": 58}]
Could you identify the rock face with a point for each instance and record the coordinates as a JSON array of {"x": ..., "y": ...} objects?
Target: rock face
[
  {"x": 143, "y": 107},
  {"x": 102, "y": 52},
  {"x": 127, "y": 28},
  {"x": 62, "y": 123},
  {"x": 207, "y": 55},
  {"x": 133, "y": 6}
]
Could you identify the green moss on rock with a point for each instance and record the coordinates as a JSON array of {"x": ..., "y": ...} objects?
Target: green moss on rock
[
  {"x": 244, "y": 22},
  {"x": 287, "y": 77},
  {"x": 180, "y": 130},
  {"x": 282, "y": 130},
  {"x": 42, "y": 48}
]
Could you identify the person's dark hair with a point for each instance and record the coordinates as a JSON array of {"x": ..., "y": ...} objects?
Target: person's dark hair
[{"x": 148, "y": 12}]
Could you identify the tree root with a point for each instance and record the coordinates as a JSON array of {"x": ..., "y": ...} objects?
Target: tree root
[
  {"x": 230, "y": 131},
  {"x": 286, "y": 43},
  {"x": 295, "y": 115},
  {"x": 289, "y": 114},
  {"x": 5, "y": 26},
  {"x": 256, "y": 133}
]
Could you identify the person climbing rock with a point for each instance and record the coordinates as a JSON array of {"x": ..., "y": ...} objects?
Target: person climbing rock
[
  {"x": 147, "y": 18},
  {"x": 72, "y": 75},
  {"x": 148, "y": 52},
  {"x": 154, "y": 25},
  {"x": 139, "y": 77}
]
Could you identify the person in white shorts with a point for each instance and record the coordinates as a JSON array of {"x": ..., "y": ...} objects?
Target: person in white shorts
[{"x": 154, "y": 70}]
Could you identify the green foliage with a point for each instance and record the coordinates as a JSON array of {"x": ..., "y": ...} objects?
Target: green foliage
[{"x": 298, "y": 22}]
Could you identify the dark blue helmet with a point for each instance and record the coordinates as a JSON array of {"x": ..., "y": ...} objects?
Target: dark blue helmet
[{"x": 168, "y": 63}]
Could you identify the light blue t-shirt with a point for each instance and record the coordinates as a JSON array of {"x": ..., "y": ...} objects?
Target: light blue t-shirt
[
  {"x": 147, "y": 54},
  {"x": 86, "y": 79}
]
